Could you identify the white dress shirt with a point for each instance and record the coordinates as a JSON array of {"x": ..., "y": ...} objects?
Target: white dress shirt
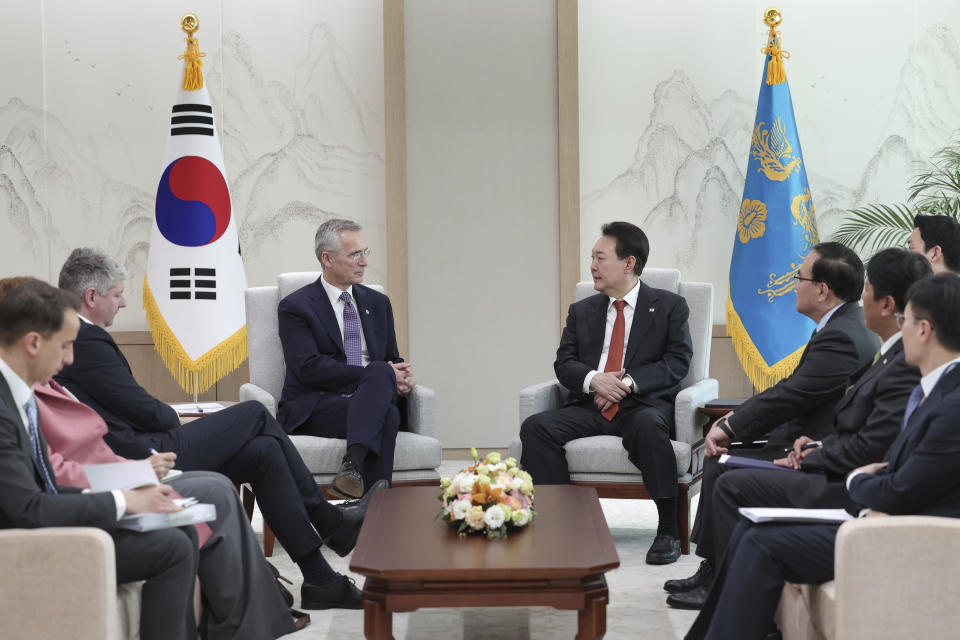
[
  {"x": 22, "y": 392},
  {"x": 628, "y": 309},
  {"x": 334, "y": 294}
]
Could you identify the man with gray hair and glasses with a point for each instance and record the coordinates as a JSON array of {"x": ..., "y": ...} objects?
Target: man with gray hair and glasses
[
  {"x": 243, "y": 442},
  {"x": 345, "y": 377}
]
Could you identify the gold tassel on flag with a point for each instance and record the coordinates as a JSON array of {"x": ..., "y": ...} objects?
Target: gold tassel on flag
[
  {"x": 775, "y": 71},
  {"x": 192, "y": 75}
]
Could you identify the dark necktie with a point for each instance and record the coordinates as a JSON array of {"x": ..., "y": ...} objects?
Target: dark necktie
[
  {"x": 351, "y": 331},
  {"x": 615, "y": 353},
  {"x": 30, "y": 408},
  {"x": 916, "y": 396}
]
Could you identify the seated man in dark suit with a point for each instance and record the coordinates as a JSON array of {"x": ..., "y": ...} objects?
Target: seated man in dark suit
[
  {"x": 344, "y": 373},
  {"x": 917, "y": 477},
  {"x": 243, "y": 442},
  {"x": 622, "y": 356},
  {"x": 937, "y": 238},
  {"x": 828, "y": 288},
  {"x": 38, "y": 324},
  {"x": 867, "y": 419}
]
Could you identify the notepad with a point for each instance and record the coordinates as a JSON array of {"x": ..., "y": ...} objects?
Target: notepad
[
  {"x": 777, "y": 514},
  {"x": 193, "y": 513},
  {"x": 125, "y": 476},
  {"x": 197, "y": 408},
  {"x": 740, "y": 462}
]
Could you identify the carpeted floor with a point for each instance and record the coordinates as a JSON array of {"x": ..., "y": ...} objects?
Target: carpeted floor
[{"x": 636, "y": 609}]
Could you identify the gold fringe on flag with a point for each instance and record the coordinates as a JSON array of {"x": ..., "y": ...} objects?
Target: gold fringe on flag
[
  {"x": 193, "y": 376},
  {"x": 762, "y": 375},
  {"x": 775, "y": 71},
  {"x": 192, "y": 74}
]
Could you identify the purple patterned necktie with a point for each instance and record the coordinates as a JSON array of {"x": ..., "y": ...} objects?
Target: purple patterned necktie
[
  {"x": 351, "y": 331},
  {"x": 30, "y": 408}
]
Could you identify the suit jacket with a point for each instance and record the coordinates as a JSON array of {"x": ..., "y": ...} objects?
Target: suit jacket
[
  {"x": 803, "y": 403},
  {"x": 868, "y": 416},
  {"x": 100, "y": 378},
  {"x": 921, "y": 477},
  {"x": 313, "y": 347},
  {"x": 23, "y": 501},
  {"x": 658, "y": 351}
]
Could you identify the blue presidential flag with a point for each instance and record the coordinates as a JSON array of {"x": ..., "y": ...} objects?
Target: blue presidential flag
[{"x": 776, "y": 229}]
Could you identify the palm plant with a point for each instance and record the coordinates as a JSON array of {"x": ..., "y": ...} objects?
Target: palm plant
[{"x": 934, "y": 190}]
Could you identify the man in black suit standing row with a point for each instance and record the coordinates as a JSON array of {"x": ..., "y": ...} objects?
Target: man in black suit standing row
[
  {"x": 38, "y": 325},
  {"x": 828, "y": 288},
  {"x": 917, "y": 477},
  {"x": 937, "y": 238},
  {"x": 622, "y": 356},
  {"x": 866, "y": 420},
  {"x": 345, "y": 377},
  {"x": 243, "y": 442}
]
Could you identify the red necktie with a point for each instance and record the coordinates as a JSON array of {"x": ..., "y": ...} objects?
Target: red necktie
[{"x": 615, "y": 353}]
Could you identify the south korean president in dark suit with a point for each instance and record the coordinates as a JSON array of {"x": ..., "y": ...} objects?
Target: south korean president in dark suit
[
  {"x": 622, "y": 356},
  {"x": 38, "y": 324},
  {"x": 917, "y": 477},
  {"x": 345, "y": 377}
]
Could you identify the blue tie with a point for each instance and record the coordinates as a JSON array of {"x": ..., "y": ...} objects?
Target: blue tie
[
  {"x": 916, "y": 396},
  {"x": 351, "y": 331},
  {"x": 31, "y": 410}
]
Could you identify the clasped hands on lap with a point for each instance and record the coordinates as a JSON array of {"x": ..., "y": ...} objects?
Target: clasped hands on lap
[
  {"x": 405, "y": 381},
  {"x": 608, "y": 389}
]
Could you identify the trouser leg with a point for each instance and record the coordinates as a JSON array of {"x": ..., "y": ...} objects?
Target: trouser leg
[{"x": 544, "y": 434}]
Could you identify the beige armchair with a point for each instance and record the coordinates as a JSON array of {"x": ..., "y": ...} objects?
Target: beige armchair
[
  {"x": 61, "y": 582},
  {"x": 895, "y": 577}
]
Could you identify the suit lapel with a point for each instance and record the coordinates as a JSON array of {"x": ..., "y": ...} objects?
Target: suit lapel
[
  {"x": 7, "y": 398},
  {"x": 361, "y": 295},
  {"x": 947, "y": 383},
  {"x": 324, "y": 311},
  {"x": 596, "y": 327},
  {"x": 113, "y": 343},
  {"x": 870, "y": 374},
  {"x": 642, "y": 319}
]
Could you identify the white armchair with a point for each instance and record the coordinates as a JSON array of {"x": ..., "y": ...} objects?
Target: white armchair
[
  {"x": 418, "y": 453},
  {"x": 894, "y": 577},
  {"x": 601, "y": 461}
]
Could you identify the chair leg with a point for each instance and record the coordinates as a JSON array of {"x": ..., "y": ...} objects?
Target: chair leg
[
  {"x": 268, "y": 540},
  {"x": 247, "y": 497},
  {"x": 683, "y": 517}
]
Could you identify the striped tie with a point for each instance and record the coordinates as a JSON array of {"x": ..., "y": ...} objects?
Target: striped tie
[{"x": 31, "y": 410}]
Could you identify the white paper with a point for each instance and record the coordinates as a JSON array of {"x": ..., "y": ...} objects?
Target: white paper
[
  {"x": 120, "y": 475},
  {"x": 198, "y": 407},
  {"x": 777, "y": 514},
  {"x": 193, "y": 514}
]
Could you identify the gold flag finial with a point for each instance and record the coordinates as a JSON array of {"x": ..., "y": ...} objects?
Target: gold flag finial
[
  {"x": 775, "y": 71},
  {"x": 192, "y": 75}
]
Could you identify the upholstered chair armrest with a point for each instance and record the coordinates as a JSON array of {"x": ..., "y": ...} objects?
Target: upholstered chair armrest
[
  {"x": 687, "y": 403},
  {"x": 541, "y": 397},
  {"x": 58, "y": 582},
  {"x": 422, "y": 411},
  {"x": 250, "y": 391},
  {"x": 896, "y": 577}
]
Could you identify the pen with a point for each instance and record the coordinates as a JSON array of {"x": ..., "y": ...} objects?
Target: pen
[
  {"x": 809, "y": 445},
  {"x": 153, "y": 451}
]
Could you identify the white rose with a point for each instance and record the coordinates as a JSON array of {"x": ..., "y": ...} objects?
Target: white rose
[
  {"x": 520, "y": 517},
  {"x": 460, "y": 509},
  {"x": 494, "y": 517},
  {"x": 474, "y": 517}
]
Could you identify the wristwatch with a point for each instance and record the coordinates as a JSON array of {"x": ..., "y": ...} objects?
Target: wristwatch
[{"x": 630, "y": 383}]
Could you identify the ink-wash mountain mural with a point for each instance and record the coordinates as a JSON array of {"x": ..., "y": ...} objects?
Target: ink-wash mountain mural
[
  {"x": 686, "y": 179},
  {"x": 303, "y": 141}
]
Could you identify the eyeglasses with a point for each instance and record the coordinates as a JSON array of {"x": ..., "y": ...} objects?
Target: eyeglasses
[
  {"x": 356, "y": 255},
  {"x": 901, "y": 317},
  {"x": 797, "y": 276}
]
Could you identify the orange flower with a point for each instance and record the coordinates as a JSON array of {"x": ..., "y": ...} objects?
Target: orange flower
[{"x": 482, "y": 494}]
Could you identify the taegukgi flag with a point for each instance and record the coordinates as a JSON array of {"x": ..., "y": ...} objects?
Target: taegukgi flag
[
  {"x": 194, "y": 287},
  {"x": 776, "y": 229}
]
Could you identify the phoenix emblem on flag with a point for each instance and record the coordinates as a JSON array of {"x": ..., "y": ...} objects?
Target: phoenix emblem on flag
[
  {"x": 773, "y": 153},
  {"x": 802, "y": 210}
]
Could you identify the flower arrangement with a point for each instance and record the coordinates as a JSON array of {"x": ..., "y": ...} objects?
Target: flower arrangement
[{"x": 492, "y": 497}]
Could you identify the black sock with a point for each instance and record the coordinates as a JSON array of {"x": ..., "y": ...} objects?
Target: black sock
[
  {"x": 356, "y": 453},
  {"x": 667, "y": 512},
  {"x": 315, "y": 569}
]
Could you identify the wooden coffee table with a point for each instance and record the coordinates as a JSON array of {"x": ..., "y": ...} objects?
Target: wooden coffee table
[{"x": 413, "y": 561}]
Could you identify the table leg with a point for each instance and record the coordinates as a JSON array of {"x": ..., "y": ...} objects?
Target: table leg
[
  {"x": 592, "y": 620},
  {"x": 377, "y": 621}
]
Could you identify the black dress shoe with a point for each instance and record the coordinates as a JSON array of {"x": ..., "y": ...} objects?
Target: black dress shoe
[
  {"x": 704, "y": 575},
  {"x": 664, "y": 550},
  {"x": 344, "y": 537},
  {"x": 693, "y": 599},
  {"x": 348, "y": 483},
  {"x": 341, "y": 593}
]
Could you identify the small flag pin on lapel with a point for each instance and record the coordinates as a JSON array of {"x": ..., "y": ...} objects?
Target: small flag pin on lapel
[{"x": 651, "y": 309}]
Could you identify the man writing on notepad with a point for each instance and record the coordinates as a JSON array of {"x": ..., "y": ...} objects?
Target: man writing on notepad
[{"x": 38, "y": 324}]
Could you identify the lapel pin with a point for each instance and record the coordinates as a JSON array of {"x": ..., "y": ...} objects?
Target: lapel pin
[
  {"x": 366, "y": 311},
  {"x": 651, "y": 309}
]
